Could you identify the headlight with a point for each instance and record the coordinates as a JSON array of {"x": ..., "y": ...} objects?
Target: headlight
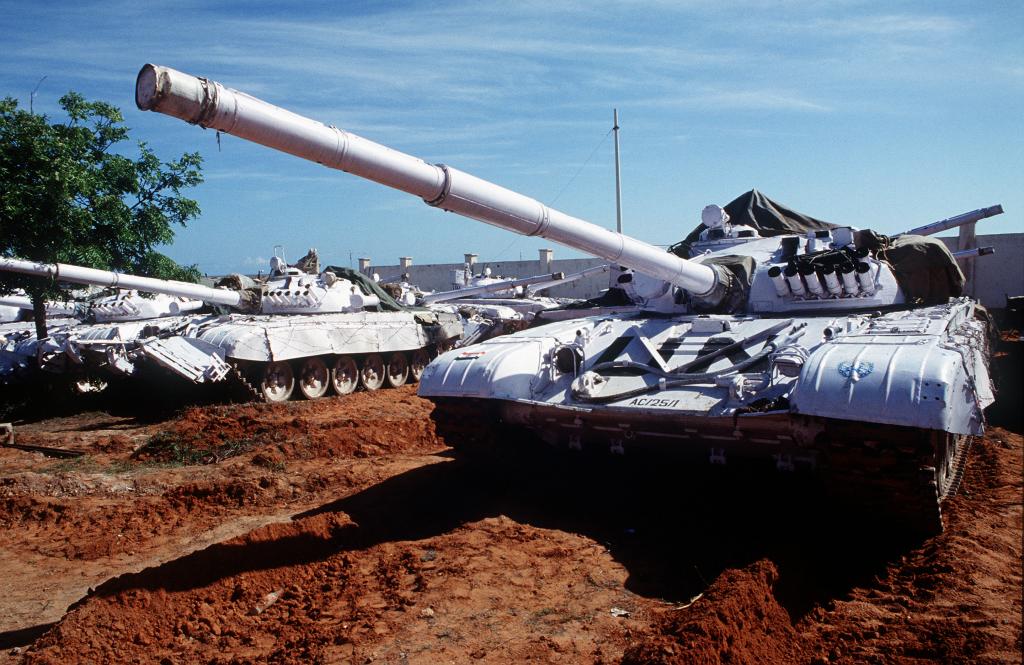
[{"x": 568, "y": 359}]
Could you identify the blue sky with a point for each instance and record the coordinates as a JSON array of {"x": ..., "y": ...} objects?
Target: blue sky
[{"x": 881, "y": 115}]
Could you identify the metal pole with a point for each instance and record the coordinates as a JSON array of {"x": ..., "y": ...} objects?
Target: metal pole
[
  {"x": 967, "y": 240},
  {"x": 618, "y": 183},
  {"x": 958, "y": 220}
]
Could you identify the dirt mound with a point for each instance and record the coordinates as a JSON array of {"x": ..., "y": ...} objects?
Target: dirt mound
[
  {"x": 147, "y": 615},
  {"x": 253, "y": 455},
  {"x": 737, "y": 620},
  {"x": 360, "y": 425},
  {"x": 103, "y": 528},
  {"x": 955, "y": 599},
  {"x": 310, "y": 592},
  {"x": 388, "y": 552}
]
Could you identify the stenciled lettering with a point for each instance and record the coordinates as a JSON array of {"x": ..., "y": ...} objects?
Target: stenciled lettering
[{"x": 654, "y": 401}]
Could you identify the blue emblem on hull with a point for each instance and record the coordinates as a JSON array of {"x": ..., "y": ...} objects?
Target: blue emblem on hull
[{"x": 861, "y": 369}]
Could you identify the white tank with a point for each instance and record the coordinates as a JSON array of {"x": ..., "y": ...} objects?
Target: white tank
[
  {"x": 320, "y": 333},
  {"x": 824, "y": 352}
]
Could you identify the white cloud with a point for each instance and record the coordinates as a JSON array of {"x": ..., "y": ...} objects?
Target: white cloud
[
  {"x": 884, "y": 25},
  {"x": 740, "y": 100}
]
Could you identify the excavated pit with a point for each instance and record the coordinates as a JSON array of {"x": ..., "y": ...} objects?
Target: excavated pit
[{"x": 347, "y": 531}]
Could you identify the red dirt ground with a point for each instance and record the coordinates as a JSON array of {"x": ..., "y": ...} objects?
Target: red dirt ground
[{"x": 345, "y": 530}]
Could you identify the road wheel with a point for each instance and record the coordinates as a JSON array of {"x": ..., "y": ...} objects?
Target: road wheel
[
  {"x": 314, "y": 378},
  {"x": 418, "y": 361},
  {"x": 345, "y": 375},
  {"x": 372, "y": 371},
  {"x": 398, "y": 370},
  {"x": 278, "y": 382}
]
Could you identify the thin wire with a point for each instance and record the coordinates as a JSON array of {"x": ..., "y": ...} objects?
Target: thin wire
[{"x": 593, "y": 152}]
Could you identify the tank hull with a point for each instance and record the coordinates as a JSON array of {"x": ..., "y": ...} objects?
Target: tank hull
[
  {"x": 272, "y": 355},
  {"x": 274, "y": 338},
  {"x": 924, "y": 367},
  {"x": 82, "y": 354},
  {"x": 875, "y": 406},
  {"x": 19, "y": 349}
]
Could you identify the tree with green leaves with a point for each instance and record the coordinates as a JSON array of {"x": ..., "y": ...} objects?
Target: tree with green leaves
[{"x": 68, "y": 195}]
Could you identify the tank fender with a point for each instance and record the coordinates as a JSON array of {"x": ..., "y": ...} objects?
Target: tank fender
[
  {"x": 498, "y": 369},
  {"x": 896, "y": 383}
]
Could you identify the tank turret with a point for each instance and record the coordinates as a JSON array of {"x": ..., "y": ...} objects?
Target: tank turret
[
  {"x": 491, "y": 307},
  {"x": 805, "y": 347},
  {"x": 289, "y": 291},
  {"x": 130, "y": 305}
]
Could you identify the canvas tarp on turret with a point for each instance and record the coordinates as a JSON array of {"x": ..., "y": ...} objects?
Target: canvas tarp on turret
[
  {"x": 759, "y": 212},
  {"x": 742, "y": 269},
  {"x": 924, "y": 267},
  {"x": 250, "y": 290},
  {"x": 369, "y": 287}
]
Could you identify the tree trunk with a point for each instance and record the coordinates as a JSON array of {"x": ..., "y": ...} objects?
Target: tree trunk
[{"x": 39, "y": 314}]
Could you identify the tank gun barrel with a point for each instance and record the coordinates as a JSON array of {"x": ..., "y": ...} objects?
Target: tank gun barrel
[
  {"x": 492, "y": 287},
  {"x": 81, "y": 275},
  {"x": 957, "y": 220},
  {"x": 212, "y": 105},
  {"x": 52, "y": 308},
  {"x": 570, "y": 278},
  {"x": 974, "y": 253},
  {"x": 21, "y": 302}
]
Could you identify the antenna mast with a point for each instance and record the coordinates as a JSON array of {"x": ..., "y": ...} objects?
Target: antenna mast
[{"x": 618, "y": 184}]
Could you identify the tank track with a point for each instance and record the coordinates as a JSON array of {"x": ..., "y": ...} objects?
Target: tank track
[
  {"x": 897, "y": 481},
  {"x": 470, "y": 427},
  {"x": 250, "y": 390},
  {"x": 245, "y": 377},
  {"x": 959, "y": 466}
]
